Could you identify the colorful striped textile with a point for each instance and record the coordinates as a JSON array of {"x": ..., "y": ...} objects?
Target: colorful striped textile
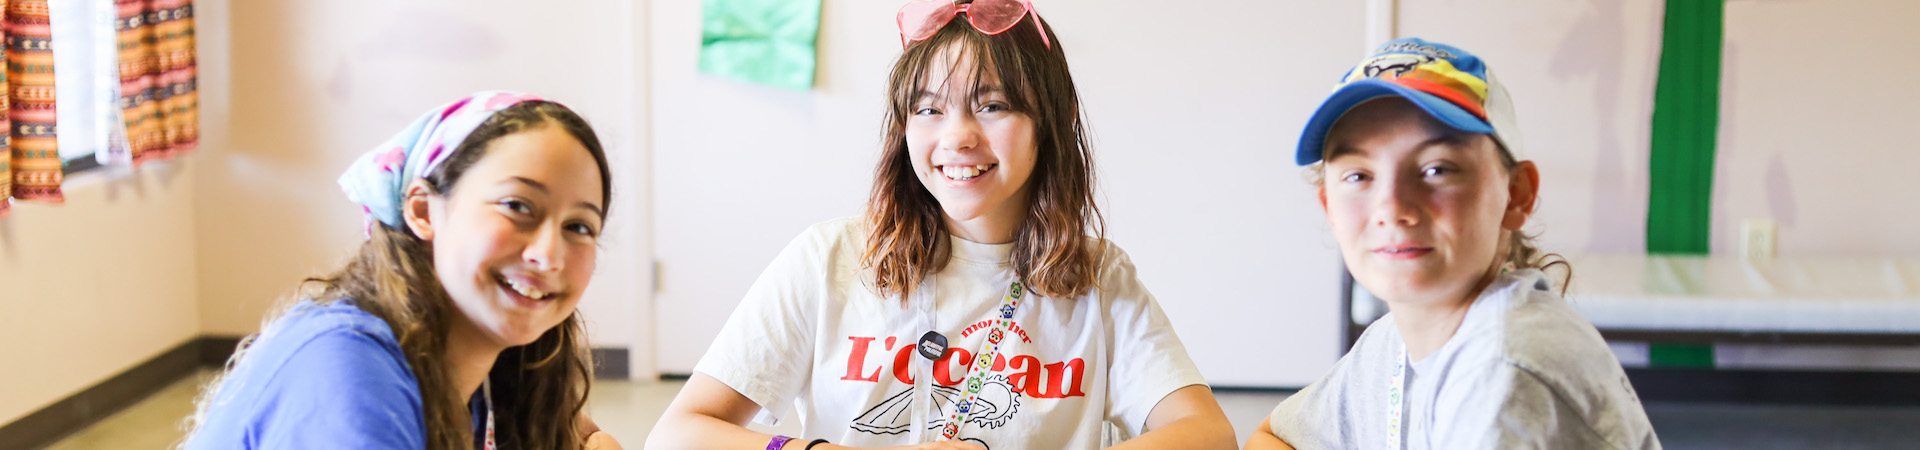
[
  {"x": 35, "y": 168},
  {"x": 159, "y": 94}
]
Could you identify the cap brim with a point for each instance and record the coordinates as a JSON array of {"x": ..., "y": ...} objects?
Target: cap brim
[{"x": 1313, "y": 139}]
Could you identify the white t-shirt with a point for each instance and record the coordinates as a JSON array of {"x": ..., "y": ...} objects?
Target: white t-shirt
[
  {"x": 1522, "y": 371},
  {"x": 812, "y": 333}
]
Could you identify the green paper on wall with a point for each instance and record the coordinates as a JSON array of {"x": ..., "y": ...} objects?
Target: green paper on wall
[{"x": 761, "y": 41}]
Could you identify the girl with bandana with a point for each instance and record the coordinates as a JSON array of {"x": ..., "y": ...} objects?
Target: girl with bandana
[{"x": 454, "y": 326}]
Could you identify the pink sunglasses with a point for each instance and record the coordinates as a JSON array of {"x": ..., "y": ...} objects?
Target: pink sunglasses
[{"x": 920, "y": 19}]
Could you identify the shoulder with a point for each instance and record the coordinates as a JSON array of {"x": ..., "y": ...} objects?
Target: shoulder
[
  {"x": 328, "y": 343},
  {"x": 1372, "y": 355},
  {"x": 327, "y": 351},
  {"x": 1111, "y": 255},
  {"x": 836, "y": 232},
  {"x": 1520, "y": 319},
  {"x": 1551, "y": 409},
  {"x": 332, "y": 326},
  {"x": 1114, "y": 269},
  {"x": 322, "y": 368},
  {"x": 1331, "y": 412},
  {"x": 310, "y": 318},
  {"x": 1551, "y": 357},
  {"x": 1118, "y": 290},
  {"x": 836, "y": 244},
  {"x": 829, "y": 249},
  {"x": 1542, "y": 334},
  {"x": 1518, "y": 331}
]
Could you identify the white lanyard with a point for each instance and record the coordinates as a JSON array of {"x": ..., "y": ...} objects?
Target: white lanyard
[
  {"x": 976, "y": 377},
  {"x": 1396, "y": 401},
  {"x": 486, "y": 391}
]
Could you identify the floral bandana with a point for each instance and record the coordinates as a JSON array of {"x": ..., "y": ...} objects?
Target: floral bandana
[{"x": 377, "y": 181}]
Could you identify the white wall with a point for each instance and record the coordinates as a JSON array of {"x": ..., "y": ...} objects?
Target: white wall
[
  {"x": 94, "y": 286},
  {"x": 318, "y": 83},
  {"x": 740, "y": 169},
  {"x": 1818, "y": 126},
  {"x": 1193, "y": 119},
  {"x": 1581, "y": 73}
]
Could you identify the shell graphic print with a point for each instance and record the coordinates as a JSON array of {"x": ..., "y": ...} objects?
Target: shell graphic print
[{"x": 998, "y": 401}]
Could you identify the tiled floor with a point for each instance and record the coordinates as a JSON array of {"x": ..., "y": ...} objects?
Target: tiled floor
[
  {"x": 628, "y": 410},
  {"x": 154, "y": 423}
]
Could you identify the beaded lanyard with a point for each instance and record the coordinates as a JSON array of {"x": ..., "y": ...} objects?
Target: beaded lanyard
[
  {"x": 1396, "y": 391},
  {"x": 486, "y": 389},
  {"x": 976, "y": 377}
]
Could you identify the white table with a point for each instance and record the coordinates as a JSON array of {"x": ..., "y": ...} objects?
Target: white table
[{"x": 1637, "y": 297}]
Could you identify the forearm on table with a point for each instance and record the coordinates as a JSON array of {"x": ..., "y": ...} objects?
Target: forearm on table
[
  {"x": 1185, "y": 433},
  {"x": 1264, "y": 438},
  {"x": 690, "y": 430}
]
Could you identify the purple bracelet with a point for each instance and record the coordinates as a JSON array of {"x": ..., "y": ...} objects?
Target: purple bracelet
[{"x": 777, "y": 442}]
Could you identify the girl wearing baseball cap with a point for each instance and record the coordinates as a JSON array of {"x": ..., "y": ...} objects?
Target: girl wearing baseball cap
[{"x": 1419, "y": 168}]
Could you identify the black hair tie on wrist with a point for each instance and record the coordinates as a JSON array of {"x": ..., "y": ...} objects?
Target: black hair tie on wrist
[{"x": 815, "y": 442}]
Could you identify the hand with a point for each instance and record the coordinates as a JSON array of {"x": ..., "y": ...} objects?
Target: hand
[
  {"x": 595, "y": 439},
  {"x": 600, "y": 440},
  {"x": 945, "y": 445},
  {"x": 1264, "y": 439}
]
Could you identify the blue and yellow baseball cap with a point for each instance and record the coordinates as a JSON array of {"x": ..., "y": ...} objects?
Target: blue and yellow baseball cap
[{"x": 1448, "y": 83}]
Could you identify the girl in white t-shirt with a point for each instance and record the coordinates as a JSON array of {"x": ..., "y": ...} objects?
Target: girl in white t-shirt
[
  {"x": 1425, "y": 187},
  {"x": 968, "y": 308}
]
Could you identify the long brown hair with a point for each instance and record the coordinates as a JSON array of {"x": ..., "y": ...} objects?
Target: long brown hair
[
  {"x": 1053, "y": 252},
  {"x": 539, "y": 389}
]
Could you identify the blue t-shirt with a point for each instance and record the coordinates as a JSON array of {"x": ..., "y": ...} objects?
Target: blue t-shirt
[{"x": 324, "y": 376}]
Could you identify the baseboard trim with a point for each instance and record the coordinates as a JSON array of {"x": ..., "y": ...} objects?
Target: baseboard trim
[
  {"x": 215, "y": 350},
  {"x": 611, "y": 363},
  {"x": 87, "y": 407},
  {"x": 76, "y": 412}
]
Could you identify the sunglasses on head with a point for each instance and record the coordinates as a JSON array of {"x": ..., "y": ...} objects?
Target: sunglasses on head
[{"x": 920, "y": 19}]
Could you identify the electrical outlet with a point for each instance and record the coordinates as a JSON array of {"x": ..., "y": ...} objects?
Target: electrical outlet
[
  {"x": 654, "y": 276},
  {"x": 1758, "y": 238}
]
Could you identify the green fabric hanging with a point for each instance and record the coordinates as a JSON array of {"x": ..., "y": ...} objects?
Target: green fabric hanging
[
  {"x": 761, "y": 41},
  {"x": 1680, "y": 356},
  {"x": 1686, "y": 126},
  {"x": 1686, "y": 123}
]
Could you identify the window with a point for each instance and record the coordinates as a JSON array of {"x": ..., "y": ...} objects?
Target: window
[{"x": 87, "y": 83}]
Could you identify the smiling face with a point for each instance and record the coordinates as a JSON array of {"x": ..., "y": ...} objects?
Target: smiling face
[
  {"x": 1420, "y": 210},
  {"x": 514, "y": 240},
  {"x": 968, "y": 146}
]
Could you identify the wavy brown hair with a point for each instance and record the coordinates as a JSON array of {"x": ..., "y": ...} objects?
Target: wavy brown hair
[
  {"x": 539, "y": 389},
  {"x": 1057, "y": 247}
]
